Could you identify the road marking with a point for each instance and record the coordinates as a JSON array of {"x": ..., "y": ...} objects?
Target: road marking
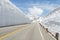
[
  {"x": 41, "y": 33},
  {"x": 14, "y": 31}
]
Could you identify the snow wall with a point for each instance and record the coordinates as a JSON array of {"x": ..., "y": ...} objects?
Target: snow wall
[{"x": 10, "y": 14}]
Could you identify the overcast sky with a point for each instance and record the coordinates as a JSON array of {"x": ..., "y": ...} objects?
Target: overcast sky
[{"x": 36, "y": 7}]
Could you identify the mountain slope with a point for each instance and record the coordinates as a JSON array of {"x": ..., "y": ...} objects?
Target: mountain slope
[{"x": 53, "y": 20}]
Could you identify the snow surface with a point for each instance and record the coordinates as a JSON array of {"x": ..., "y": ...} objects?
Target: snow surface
[
  {"x": 52, "y": 21},
  {"x": 10, "y": 14}
]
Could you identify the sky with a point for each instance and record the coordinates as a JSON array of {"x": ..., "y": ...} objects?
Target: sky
[{"x": 36, "y": 7}]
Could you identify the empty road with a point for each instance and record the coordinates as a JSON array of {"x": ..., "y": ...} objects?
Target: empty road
[{"x": 32, "y": 31}]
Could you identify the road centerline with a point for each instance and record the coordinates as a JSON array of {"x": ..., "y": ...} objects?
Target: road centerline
[{"x": 12, "y": 32}]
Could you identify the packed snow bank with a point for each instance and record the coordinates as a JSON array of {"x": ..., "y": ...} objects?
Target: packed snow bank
[
  {"x": 53, "y": 20},
  {"x": 10, "y": 14}
]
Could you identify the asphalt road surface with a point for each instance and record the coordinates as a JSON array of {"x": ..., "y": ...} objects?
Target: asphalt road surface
[{"x": 32, "y": 31}]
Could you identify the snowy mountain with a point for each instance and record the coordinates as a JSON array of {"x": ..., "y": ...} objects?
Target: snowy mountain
[
  {"x": 52, "y": 20},
  {"x": 10, "y": 14}
]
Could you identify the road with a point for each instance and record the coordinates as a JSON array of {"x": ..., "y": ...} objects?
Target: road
[{"x": 32, "y": 31}]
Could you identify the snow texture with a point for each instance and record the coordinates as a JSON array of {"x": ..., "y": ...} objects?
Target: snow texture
[
  {"x": 10, "y": 14},
  {"x": 52, "y": 20}
]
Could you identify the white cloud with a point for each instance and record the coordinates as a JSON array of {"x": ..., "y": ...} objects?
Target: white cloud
[
  {"x": 34, "y": 12},
  {"x": 48, "y": 7},
  {"x": 30, "y": 16}
]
